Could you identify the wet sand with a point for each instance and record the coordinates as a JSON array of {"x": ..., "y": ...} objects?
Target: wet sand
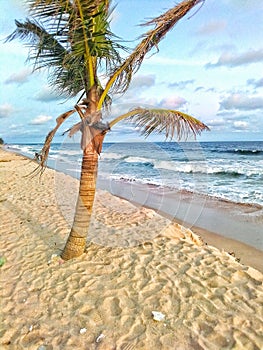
[
  {"x": 136, "y": 262},
  {"x": 233, "y": 227},
  {"x": 228, "y": 219}
]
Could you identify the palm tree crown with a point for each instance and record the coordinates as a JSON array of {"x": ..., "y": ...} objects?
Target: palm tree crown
[{"x": 72, "y": 39}]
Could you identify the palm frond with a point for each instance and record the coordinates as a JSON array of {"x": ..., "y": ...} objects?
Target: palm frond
[
  {"x": 122, "y": 75},
  {"x": 163, "y": 120},
  {"x": 44, "y": 44},
  {"x": 92, "y": 37},
  {"x": 43, "y": 155},
  {"x": 71, "y": 39}
]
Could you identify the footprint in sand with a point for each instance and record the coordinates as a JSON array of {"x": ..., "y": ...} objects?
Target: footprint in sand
[
  {"x": 111, "y": 306},
  {"x": 32, "y": 339},
  {"x": 136, "y": 331}
]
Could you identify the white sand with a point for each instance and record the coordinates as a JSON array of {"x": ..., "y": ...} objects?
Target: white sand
[{"x": 137, "y": 262}]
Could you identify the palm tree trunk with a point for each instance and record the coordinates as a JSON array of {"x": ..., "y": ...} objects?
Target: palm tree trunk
[{"x": 76, "y": 242}]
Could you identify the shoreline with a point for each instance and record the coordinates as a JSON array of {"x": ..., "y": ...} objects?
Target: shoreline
[
  {"x": 244, "y": 251},
  {"x": 137, "y": 263},
  {"x": 53, "y": 164},
  {"x": 225, "y": 218}
]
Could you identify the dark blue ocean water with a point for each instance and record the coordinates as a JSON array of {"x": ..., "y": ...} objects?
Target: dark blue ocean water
[{"x": 227, "y": 170}]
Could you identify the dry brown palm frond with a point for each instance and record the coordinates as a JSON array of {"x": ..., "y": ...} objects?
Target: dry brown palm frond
[
  {"x": 163, "y": 120},
  {"x": 73, "y": 130},
  {"x": 90, "y": 127},
  {"x": 41, "y": 157},
  {"x": 121, "y": 77}
]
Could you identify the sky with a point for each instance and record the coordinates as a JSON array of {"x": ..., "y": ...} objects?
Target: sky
[{"x": 209, "y": 66}]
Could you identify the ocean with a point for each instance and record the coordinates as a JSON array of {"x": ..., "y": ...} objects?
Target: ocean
[{"x": 231, "y": 171}]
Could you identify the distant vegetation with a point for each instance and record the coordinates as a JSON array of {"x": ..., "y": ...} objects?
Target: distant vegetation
[{"x": 1, "y": 141}]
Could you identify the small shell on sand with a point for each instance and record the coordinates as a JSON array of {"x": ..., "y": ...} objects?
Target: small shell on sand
[
  {"x": 83, "y": 330},
  {"x": 100, "y": 337},
  {"x": 158, "y": 316}
]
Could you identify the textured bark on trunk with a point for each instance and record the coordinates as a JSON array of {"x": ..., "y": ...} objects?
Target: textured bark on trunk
[
  {"x": 91, "y": 143},
  {"x": 76, "y": 242}
]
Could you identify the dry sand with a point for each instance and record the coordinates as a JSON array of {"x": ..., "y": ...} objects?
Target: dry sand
[{"x": 136, "y": 262}]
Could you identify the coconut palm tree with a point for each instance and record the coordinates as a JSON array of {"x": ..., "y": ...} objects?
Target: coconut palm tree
[{"x": 73, "y": 40}]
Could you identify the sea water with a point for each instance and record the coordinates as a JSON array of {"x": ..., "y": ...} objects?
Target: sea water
[{"x": 230, "y": 171}]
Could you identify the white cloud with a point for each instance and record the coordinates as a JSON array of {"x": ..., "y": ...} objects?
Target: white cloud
[
  {"x": 228, "y": 59},
  {"x": 6, "y": 110},
  {"x": 172, "y": 102},
  {"x": 12, "y": 48},
  {"x": 141, "y": 81},
  {"x": 216, "y": 122},
  {"x": 20, "y": 77},
  {"x": 41, "y": 119},
  {"x": 181, "y": 84},
  {"x": 139, "y": 84},
  {"x": 15, "y": 126},
  {"x": 211, "y": 27},
  {"x": 167, "y": 61},
  {"x": 242, "y": 102},
  {"x": 256, "y": 83},
  {"x": 47, "y": 95},
  {"x": 244, "y": 4},
  {"x": 240, "y": 125}
]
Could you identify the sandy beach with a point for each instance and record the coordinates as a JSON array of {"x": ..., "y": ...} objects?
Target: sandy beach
[{"x": 137, "y": 263}]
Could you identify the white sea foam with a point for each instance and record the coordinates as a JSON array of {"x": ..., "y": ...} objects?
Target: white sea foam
[
  {"x": 69, "y": 152},
  {"x": 232, "y": 171},
  {"x": 183, "y": 167},
  {"x": 109, "y": 155},
  {"x": 138, "y": 160},
  {"x": 23, "y": 149}
]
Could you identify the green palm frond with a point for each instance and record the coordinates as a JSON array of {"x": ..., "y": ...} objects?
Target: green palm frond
[
  {"x": 163, "y": 120},
  {"x": 72, "y": 39},
  {"x": 122, "y": 75},
  {"x": 47, "y": 52},
  {"x": 45, "y": 48}
]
